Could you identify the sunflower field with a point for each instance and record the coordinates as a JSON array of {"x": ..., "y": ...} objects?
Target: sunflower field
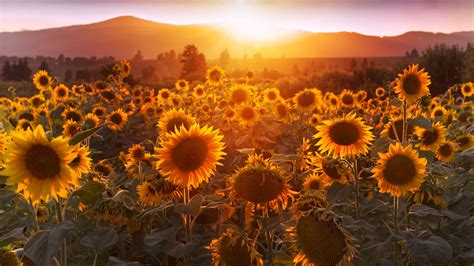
[{"x": 228, "y": 172}]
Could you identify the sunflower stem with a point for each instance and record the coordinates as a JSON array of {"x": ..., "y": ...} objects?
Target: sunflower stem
[
  {"x": 396, "y": 203},
  {"x": 35, "y": 218},
  {"x": 187, "y": 222},
  {"x": 268, "y": 237},
  {"x": 405, "y": 124},
  {"x": 59, "y": 213},
  {"x": 356, "y": 184}
]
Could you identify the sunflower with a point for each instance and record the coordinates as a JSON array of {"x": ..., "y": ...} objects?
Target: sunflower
[
  {"x": 37, "y": 100},
  {"x": 61, "y": 92},
  {"x": 281, "y": 110},
  {"x": 466, "y": 89},
  {"x": 240, "y": 94},
  {"x": 380, "y": 92},
  {"x": 173, "y": 120},
  {"x": 72, "y": 114},
  {"x": 321, "y": 241},
  {"x": 70, "y": 128},
  {"x": 333, "y": 101},
  {"x": 99, "y": 111},
  {"x": 39, "y": 167},
  {"x": 182, "y": 85},
  {"x": 347, "y": 136},
  {"x": 314, "y": 120},
  {"x": 199, "y": 91},
  {"x": 412, "y": 84},
  {"x": 190, "y": 156},
  {"x": 117, "y": 120},
  {"x": 331, "y": 170},
  {"x": 176, "y": 100},
  {"x": 215, "y": 76},
  {"x": 100, "y": 85},
  {"x": 81, "y": 164},
  {"x": 247, "y": 115},
  {"x": 446, "y": 151},
  {"x": 307, "y": 99},
  {"x": 464, "y": 142},
  {"x": 103, "y": 168},
  {"x": 125, "y": 68},
  {"x": 164, "y": 95},
  {"x": 148, "y": 194},
  {"x": 431, "y": 139},
  {"x": 347, "y": 98},
  {"x": 234, "y": 249},
  {"x": 136, "y": 153},
  {"x": 91, "y": 121},
  {"x": 397, "y": 134},
  {"x": 313, "y": 182},
  {"x": 42, "y": 214},
  {"x": 399, "y": 170},
  {"x": 361, "y": 96},
  {"x": 42, "y": 80},
  {"x": 272, "y": 95},
  {"x": 438, "y": 111},
  {"x": 24, "y": 124}
]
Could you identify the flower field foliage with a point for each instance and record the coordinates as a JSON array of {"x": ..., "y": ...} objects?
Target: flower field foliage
[{"x": 222, "y": 172}]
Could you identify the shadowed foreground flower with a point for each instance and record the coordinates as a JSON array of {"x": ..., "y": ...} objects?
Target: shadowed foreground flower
[
  {"x": 399, "y": 170},
  {"x": 446, "y": 151},
  {"x": 430, "y": 139},
  {"x": 39, "y": 167},
  {"x": 412, "y": 84},
  {"x": 234, "y": 249},
  {"x": 190, "y": 156}
]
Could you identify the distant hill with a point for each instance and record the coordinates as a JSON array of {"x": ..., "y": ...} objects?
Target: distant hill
[{"x": 121, "y": 37}]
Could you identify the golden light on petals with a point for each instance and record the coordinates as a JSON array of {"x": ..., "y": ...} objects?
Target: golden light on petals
[
  {"x": 173, "y": 120},
  {"x": 446, "y": 151},
  {"x": 412, "y": 84}
]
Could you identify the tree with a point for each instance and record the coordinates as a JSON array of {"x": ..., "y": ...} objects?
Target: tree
[
  {"x": 353, "y": 63},
  {"x": 44, "y": 66},
  {"x": 68, "y": 76},
  {"x": 414, "y": 53},
  {"x": 468, "y": 74},
  {"x": 224, "y": 58},
  {"x": 194, "y": 63},
  {"x": 147, "y": 72},
  {"x": 6, "y": 70},
  {"x": 138, "y": 56}
]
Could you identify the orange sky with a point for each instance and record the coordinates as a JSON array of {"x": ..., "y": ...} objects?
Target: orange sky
[{"x": 373, "y": 17}]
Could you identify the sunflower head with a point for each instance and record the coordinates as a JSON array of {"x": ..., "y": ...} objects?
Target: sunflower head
[
  {"x": 240, "y": 94},
  {"x": 42, "y": 80},
  {"x": 412, "y": 84},
  {"x": 117, "y": 120},
  {"x": 148, "y": 193},
  {"x": 430, "y": 139},
  {"x": 199, "y": 91},
  {"x": 347, "y": 98},
  {"x": 82, "y": 163},
  {"x": 234, "y": 249},
  {"x": 281, "y": 110},
  {"x": 136, "y": 152},
  {"x": 307, "y": 99},
  {"x": 380, "y": 92},
  {"x": 70, "y": 128},
  {"x": 215, "y": 76},
  {"x": 72, "y": 114},
  {"x": 61, "y": 92},
  {"x": 182, "y": 85},
  {"x": 247, "y": 115},
  {"x": 272, "y": 95},
  {"x": 361, "y": 96},
  {"x": 346, "y": 136},
  {"x": 464, "y": 142},
  {"x": 446, "y": 151},
  {"x": 313, "y": 183},
  {"x": 400, "y": 170},
  {"x": 466, "y": 89},
  {"x": 173, "y": 120},
  {"x": 99, "y": 111},
  {"x": 438, "y": 111}
]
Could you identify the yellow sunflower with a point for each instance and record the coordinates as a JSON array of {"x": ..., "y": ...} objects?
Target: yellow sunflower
[
  {"x": 331, "y": 170},
  {"x": 91, "y": 121},
  {"x": 61, "y": 92},
  {"x": 307, "y": 99},
  {"x": 148, "y": 194},
  {"x": 215, "y": 76},
  {"x": 173, "y": 120},
  {"x": 42, "y": 214},
  {"x": 234, "y": 249},
  {"x": 117, "y": 120},
  {"x": 70, "y": 128},
  {"x": 199, "y": 91},
  {"x": 82, "y": 163},
  {"x": 72, "y": 114},
  {"x": 412, "y": 84},
  {"x": 240, "y": 94},
  {"x": 464, "y": 142},
  {"x": 272, "y": 95},
  {"x": 361, "y": 96},
  {"x": 313, "y": 182},
  {"x": 347, "y": 136},
  {"x": 379, "y": 92},
  {"x": 164, "y": 95},
  {"x": 99, "y": 111},
  {"x": 190, "y": 156},
  {"x": 281, "y": 110},
  {"x": 247, "y": 115},
  {"x": 347, "y": 98},
  {"x": 182, "y": 85},
  {"x": 431, "y": 139},
  {"x": 438, "y": 111},
  {"x": 37, "y": 100},
  {"x": 446, "y": 151},
  {"x": 136, "y": 153},
  {"x": 466, "y": 89},
  {"x": 39, "y": 167},
  {"x": 42, "y": 80},
  {"x": 399, "y": 170}
]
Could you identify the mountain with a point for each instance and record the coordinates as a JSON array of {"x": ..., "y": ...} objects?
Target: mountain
[{"x": 121, "y": 37}]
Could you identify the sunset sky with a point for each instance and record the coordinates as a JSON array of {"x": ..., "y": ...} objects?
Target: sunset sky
[{"x": 373, "y": 17}]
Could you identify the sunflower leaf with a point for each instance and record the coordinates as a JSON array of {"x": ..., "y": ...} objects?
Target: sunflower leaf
[
  {"x": 114, "y": 261},
  {"x": 100, "y": 239},
  {"x": 422, "y": 122},
  {"x": 84, "y": 135},
  {"x": 12, "y": 236},
  {"x": 90, "y": 192}
]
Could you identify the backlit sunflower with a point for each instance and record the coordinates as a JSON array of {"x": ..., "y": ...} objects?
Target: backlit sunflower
[
  {"x": 431, "y": 139},
  {"x": 99, "y": 111},
  {"x": 164, "y": 95},
  {"x": 70, "y": 128},
  {"x": 397, "y": 134},
  {"x": 136, "y": 153},
  {"x": 466, "y": 89},
  {"x": 61, "y": 92},
  {"x": 215, "y": 76},
  {"x": 148, "y": 194},
  {"x": 307, "y": 99},
  {"x": 72, "y": 114},
  {"x": 321, "y": 241},
  {"x": 234, "y": 249},
  {"x": 331, "y": 170},
  {"x": 313, "y": 183},
  {"x": 346, "y": 136},
  {"x": 82, "y": 163},
  {"x": 379, "y": 92},
  {"x": 412, "y": 84},
  {"x": 91, "y": 121},
  {"x": 173, "y": 120},
  {"x": 399, "y": 170},
  {"x": 438, "y": 111},
  {"x": 182, "y": 85},
  {"x": 37, "y": 100},
  {"x": 117, "y": 120},
  {"x": 333, "y": 101},
  {"x": 125, "y": 68},
  {"x": 42, "y": 214},
  {"x": 347, "y": 98},
  {"x": 281, "y": 110},
  {"x": 39, "y": 167},
  {"x": 42, "y": 80},
  {"x": 361, "y": 96},
  {"x": 199, "y": 91},
  {"x": 24, "y": 124},
  {"x": 314, "y": 120},
  {"x": 464, "y": 142},
  {"x": 247, "y": 115},
  {"x": 240, "y": 94},
  {"x": 190, "y": 156},
  {"x": 271, "y": 95},
  {"x": 446, "y": 151}
]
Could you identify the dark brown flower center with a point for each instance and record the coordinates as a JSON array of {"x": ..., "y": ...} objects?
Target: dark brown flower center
[
  {"x": 344, "y": 133},
  {"x": 27, "y": 116},
  {"x": 347, "y": 99},
  {"x": 61, "y": 92},
  {"x": 258, "y": 185},
  {"x": 411, "y": 84},
  {"x": 430, "y": 137},
  {"x": 281, "y": 110},
  {"x": 43, "y": 80},
  {"x": 307, "y": 98},
  {"x": 239, "y": 95},
  {"x": 190, "y": 153},
  {"x": 116, "y": 119},
  {"x": 272, "y": 95},
  {"x": 331, "y": 170},
  {"x": 314, "y": 184},
  {"x": 74, "y": 116},
  {"x": 42, "y": 162},
  {"x": 400, "y": 170},
  {"x": 247, "y": 113},
  {"x": 176, "y": 123},
  {"x": 445, "y": 150}
]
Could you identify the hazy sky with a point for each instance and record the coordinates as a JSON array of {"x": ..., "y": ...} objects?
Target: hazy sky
[{"x": 374, "y": 17}]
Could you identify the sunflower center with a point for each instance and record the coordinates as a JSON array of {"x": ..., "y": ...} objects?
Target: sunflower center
[
  {"x": 76, "y": 117},
  {"x": 333, "y": 101},
  {"x": 347, "y": 99},
  {"x": 344, "y": 133},
  {"x": 42, "y": 162},
  {"x": 258, "y": 186},
  {"x": 331, "y": 170},
  {"x": 314, "y": 184},
  {"x": 43, "y": 80},
  {"x": 281, "y": 109},
  {"x": 190, "y": 154},
  {"x": 176, "y": 123},
  {"x": 27, "y": 116},
  {"x": 233, "y": 253},
  {"x": 239, "y": 96},
  {"x": 306, "y": 99},
  {"x": 272, "y": 95},
  {"x": 400, "y": 170},
  {"x": 430, "y": 137},
  {"x": 108, "y": 95},
  {"x": 438, "y": 113},
  {"x": 445, "y": 150},
  {"x": 463, "y": 141},
  {"x": 247, "y": 113},
  {"x": 61, "y": 92},
  {"x": 116, "y": 119},
  {"x": 322, "y": 242},
  {"x": 412, "y": 84}
]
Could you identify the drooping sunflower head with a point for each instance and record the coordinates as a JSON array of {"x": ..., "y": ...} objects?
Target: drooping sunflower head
[
  {"x": 466, "y": 89},
  {"x": 321, "y": 241},
  {"x": 331, "y": 170},
  {"x": 346, "y": 136},
  {"x": 271, "y": 95},
  {"x": 42, "y": 80},
  {"x": 39, "y": 167},
  {"x": 215, "y": 76},
  {"x": 240, "y": 94},
  {"x": 399, "y": 170},
  {"x": 313, "y": 183},
  {"x": 307, "y": 99},
  {"x": 412, "y": 84},
  {"x": 70, "y": 128},
  {"x": 117, "y": 120},
  {"x": 148, "y": 194},
  {"x": 438, "y": 111},
  {"x": 190, "y": 156},
  {"x": 234, "y": 249},
  {"x": 446, "y": 151},
  {"x": 397, "y": 133},
  {"x": 247, "y": 115},
  {"x": 464, "y": 142},
  {"x": 182, "y": 85},
  {"x": 347, "y": 98},
  {"x": 42, "y": 213},
  {"x": 173, "y": 120},
  {"x": 430, "y": 139}
]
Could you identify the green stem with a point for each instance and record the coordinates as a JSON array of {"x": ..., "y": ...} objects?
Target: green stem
[
  {"x": 396, "y": 203},
  {"x": 404, "y": 132},
  {"x": 356, "y": 183},
  {"x": 187, "y": 220},
  {"x": 35, "y": 218},
  {"x": 95, "y": 259},
  {"x": 268, "y": 238},
  {"x": 60, "y": 213}
]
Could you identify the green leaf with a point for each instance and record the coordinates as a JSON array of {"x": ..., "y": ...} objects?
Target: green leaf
[
  {"x": 431, "y": 248},
  {"x": 157, "y": 236},
  {"x": 428, "y": 155},
  {"x": 422, "y": 122},
  {"x": 84, "y": 135},
  {"x": 194, "y": 206},
  {"x": 12, "y": 236},
  {"x": 272, "y": 223},
  {"x": 422, "y": 210},
  {"x": 100, "y": 239},
  {"x": 380, "y": 145},
  {"x": 114, "y": 261},
  {"x": 44, "y": 245},
  {"x": 90, "y": 192}
]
